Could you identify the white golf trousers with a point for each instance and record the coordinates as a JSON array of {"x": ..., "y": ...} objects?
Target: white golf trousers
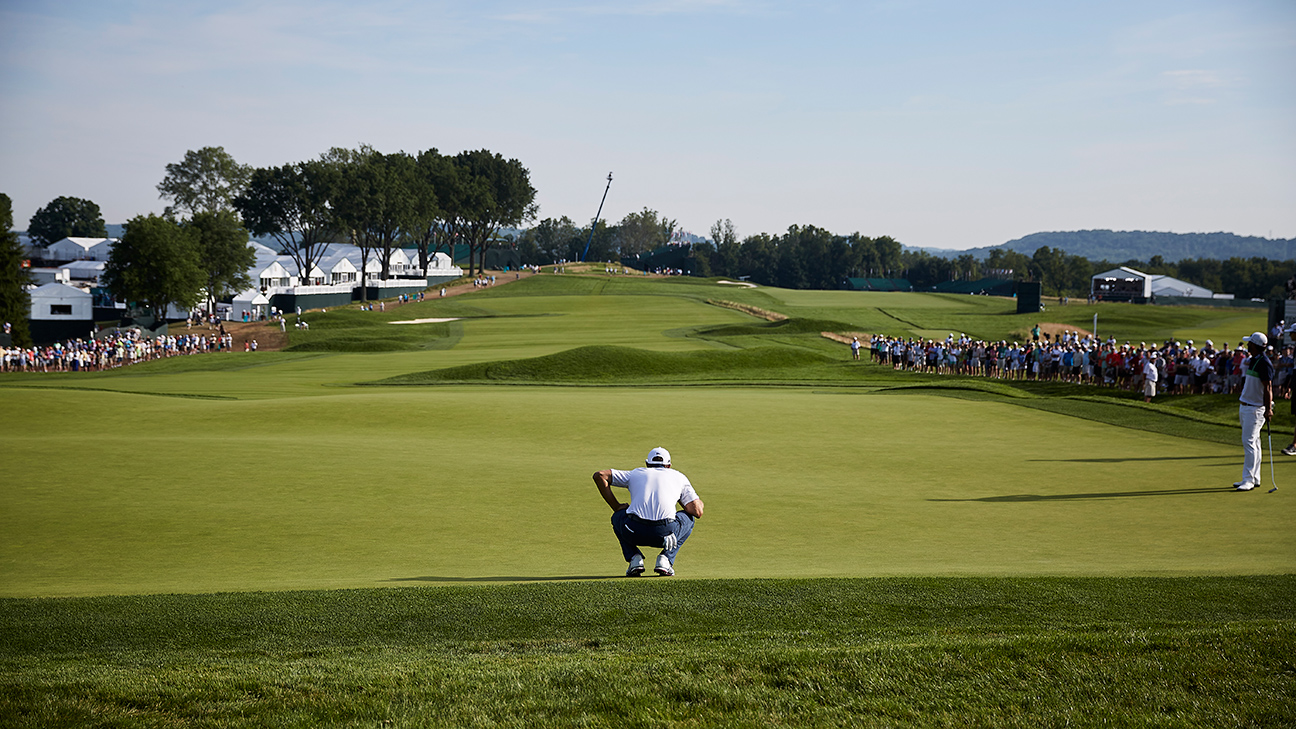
[{"x": 1253, "y": 421}]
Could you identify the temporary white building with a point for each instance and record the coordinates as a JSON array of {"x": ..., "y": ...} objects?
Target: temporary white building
[
  {"x": 398, "y": 263},
  {"x": 1121, "y": 284},
  {"x": 274, "y": 276},
  {"x": 439, "y": 264},
  {"x": 49, "y": 275},
  {"x": 60, "y": 302},
  {"x": 316, "y": 277},
  {"x": 80, "y": 249},
  {"x": 341, "y": 271},
  {"x": 1167, "y": 286},
  {"x": 84, "y": 270},
  {"x": 250, "y": 302}
]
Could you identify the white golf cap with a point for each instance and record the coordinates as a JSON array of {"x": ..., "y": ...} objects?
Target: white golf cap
[
  {"x": 658, "y": 457},
  {"x": 1258, "y": 339}
]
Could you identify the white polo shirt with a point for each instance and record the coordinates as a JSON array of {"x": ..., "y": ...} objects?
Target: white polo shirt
[{"x": 654, "y": 491}]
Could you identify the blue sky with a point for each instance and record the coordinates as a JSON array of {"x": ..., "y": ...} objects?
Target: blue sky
[{"x": 946, "y": 124}]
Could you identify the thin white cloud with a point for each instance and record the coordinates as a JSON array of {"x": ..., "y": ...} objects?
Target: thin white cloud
[
  {"x": 554, "y": 14},
  {"x": 1193, "y": 79}
]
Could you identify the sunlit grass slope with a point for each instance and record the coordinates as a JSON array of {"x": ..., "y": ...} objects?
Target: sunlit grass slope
[{"x": 117, "y": 493}]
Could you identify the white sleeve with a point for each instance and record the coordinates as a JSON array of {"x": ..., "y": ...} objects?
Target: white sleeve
[
  {"x": 620, "y": 478},
  {"x": 687, "y": 494}
]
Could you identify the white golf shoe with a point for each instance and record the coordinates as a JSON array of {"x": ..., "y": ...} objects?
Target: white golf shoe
[
  {"x": 636, "y": 566},
  {"x": 1243, "y": 486},
  {"x": 663, "y": 567}
]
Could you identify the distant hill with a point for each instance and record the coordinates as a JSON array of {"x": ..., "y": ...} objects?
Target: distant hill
[{"x": 1124, "y": 245}]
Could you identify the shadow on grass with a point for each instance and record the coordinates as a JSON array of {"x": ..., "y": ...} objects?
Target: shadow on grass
[
  {"x": 1017, "y": 498},
  {"x": 1130, "y": 460},
  {"x": 432, "y": 578}
]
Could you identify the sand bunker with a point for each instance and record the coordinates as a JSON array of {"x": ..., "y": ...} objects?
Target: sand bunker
[
  {"x": 424, "y": 321},
  {"x": 743, "y": 284}
]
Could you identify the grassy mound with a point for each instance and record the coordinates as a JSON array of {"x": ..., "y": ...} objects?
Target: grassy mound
[
  {"x": 376, "y": 336},
  {"x": 602, "y": 363}
]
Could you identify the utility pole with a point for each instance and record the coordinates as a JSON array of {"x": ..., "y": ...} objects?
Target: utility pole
[{"x": 596, "y": 218}]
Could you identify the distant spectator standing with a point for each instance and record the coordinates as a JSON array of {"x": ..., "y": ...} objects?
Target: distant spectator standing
[
  {"x": 855, "y": 348},
  {"x": 1150, "y": 377}
]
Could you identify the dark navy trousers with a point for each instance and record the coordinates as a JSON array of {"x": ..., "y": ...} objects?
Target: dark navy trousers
[{"x": 634, "y": 532}]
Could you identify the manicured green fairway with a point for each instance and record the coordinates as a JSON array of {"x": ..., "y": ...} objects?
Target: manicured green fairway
[
  {"x": 1039, "y": 515},
  {"x": 386, "y": 486}
]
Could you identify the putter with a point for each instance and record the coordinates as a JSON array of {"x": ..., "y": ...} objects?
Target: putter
[{"x": 1272, "y": 480}]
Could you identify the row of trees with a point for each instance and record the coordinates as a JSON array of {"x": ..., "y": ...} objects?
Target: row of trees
[
  {"x": 1063, "y": 274},
  {"x": 376, "y": 201},
  {"x": 805, "y": 257},
  {"x": 561, "y": 239},
  {"x": 379, "y": 202}
]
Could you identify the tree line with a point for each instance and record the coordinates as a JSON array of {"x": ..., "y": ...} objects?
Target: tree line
[
  {"x": 808, "y": 257},
  {"x": 560, "y": 239},
  {"x": 1063, "y": 274},
  {"x": 375, "y": 201}
]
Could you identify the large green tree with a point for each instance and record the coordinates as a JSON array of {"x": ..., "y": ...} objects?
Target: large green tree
[
  {"x": 206, "y": 180},
  {"x": 156, "y": 263},
  {"x": 223, "y": 253},
  {"x": 551, "y": 240},
  {"x": 15, "y": 302},
  {"x": 643, "y": 232},
  {"x": 497, "y": 192},
  {"x": 437, "y": 219},
  {"x": 378, "y": 199},
  {"x": 725, "y": 240},
  {"x": 292, "y": 204},
  {"x": 66, "y": 217}
]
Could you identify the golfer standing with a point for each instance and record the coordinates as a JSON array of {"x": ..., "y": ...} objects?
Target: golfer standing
[
  {"x": 1256, "y": 408},
  {"x": 650, "y": 519}
]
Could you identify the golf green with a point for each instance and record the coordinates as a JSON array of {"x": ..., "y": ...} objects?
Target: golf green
[{"x": 113, "y": 493}]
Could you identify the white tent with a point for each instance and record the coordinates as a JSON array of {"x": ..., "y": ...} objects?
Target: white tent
[
  {"x": 250, "y": 302},
  {"x": 84, "y": 270},
  {"x": 398, "y": 263},
  {"x": 1167, "y": 286},
  {"x": 342, "y": 271},
  {"x": 274, "y": 276},
  {"x": 439, "y": 263},
  {"x": 48, "y": 275},
  {"x": 316, "y": 277},
  {"x": 60, "y": 302},
  {"x": 1121, "y": 284},
  {"x": 80, "y": 249}
]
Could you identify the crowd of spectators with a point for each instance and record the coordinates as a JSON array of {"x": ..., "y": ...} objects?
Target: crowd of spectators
[
  {"x": 110, "y": 350},
  {"x": 1181, "y": 367}
]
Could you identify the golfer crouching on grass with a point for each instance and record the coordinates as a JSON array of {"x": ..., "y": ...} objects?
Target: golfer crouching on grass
[{"x": 650, "y": 519}]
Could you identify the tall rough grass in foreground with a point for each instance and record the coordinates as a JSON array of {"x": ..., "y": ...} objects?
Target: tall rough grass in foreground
[{"x": 913, "y": 652}]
